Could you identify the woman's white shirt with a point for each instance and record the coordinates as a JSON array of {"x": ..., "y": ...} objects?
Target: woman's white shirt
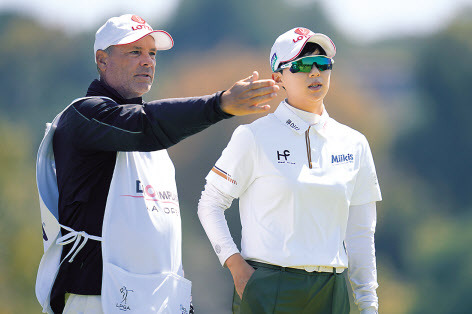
[{"x": 291, "y": 214}]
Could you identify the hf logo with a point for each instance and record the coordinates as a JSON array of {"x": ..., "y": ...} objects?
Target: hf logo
[{"x": 283, "y": 157}]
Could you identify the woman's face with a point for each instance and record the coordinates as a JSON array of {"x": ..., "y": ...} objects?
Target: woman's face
[{"x": 305, "y": 91}]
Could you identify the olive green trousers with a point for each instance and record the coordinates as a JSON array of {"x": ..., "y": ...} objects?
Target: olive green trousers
[{"x": 276, "y": 290}]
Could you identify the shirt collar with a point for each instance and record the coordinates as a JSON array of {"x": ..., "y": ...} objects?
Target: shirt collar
[
  {"x": 299, "y": 120},
  {"x": 100, "y": 88}
]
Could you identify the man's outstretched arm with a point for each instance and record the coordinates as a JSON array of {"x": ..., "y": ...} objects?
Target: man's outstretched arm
[{"x": 108, "y": 126}]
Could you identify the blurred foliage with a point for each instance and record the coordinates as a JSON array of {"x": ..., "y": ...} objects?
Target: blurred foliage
[
  {"x": 409, "y": 96},
  {"x": 439, "y": 148},
  {"x": 200, "y": 25},
  {"x": 20, "y": 246},
  {"x": 42, "y": 68}
]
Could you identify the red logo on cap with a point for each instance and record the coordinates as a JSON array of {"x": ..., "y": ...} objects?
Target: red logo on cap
[
  {"x": 302, "y": 31},
  {"x": 137, "y": 19}
]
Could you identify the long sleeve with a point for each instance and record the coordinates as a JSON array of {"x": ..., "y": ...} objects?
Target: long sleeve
[
  {"x": 101, "y": 124},
  {"x": 211, "y": 207},
  {"x": 179, "y": 118},
  {"x": 360, "y": 246}
]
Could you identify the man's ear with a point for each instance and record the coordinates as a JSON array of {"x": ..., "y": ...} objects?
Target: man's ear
[{"x": 102, "y": 60}]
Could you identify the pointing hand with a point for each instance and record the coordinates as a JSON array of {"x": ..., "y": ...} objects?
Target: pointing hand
[{"x": 247, "y": 96}]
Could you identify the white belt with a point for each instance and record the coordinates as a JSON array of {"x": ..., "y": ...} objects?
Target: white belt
[
  {"x": 321, "y": 269},
  {"x": 76, "y": 237}
]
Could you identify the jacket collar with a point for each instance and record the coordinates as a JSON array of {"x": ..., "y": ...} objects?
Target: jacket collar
[
  {"x": 100, "y": 88},
  {"x": 291, "y": 120}
]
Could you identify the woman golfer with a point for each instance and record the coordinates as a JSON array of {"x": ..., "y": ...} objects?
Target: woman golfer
[{"x": 307, "y": 188}]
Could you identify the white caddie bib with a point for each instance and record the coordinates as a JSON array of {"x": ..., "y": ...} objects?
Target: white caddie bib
[
  {"x": 142, "y": 262},
  {"x": 141, "y": 235}
]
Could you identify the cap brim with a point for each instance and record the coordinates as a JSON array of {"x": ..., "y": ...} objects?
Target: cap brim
[
  {"x": 325, "y": 42},
  {"x": 162, "y": 39}
]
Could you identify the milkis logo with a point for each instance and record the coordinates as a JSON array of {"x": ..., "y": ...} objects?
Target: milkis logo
[
  {"x": 303, "y": 32},
  {"x": 342, "y": 159}
]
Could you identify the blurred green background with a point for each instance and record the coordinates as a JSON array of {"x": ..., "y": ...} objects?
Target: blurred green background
[{"x": 409, "y": 94}]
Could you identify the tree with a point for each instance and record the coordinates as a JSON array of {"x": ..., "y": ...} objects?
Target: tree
[
  {"x": 440, "y": 148},
  {"x": 203, "y": 24}
]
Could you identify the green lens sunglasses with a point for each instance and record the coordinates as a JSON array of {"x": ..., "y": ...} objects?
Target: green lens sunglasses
[{"x": 305, "y": 64}]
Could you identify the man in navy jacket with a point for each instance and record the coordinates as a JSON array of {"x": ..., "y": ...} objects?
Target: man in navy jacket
[{"x": 91, "y": 132}]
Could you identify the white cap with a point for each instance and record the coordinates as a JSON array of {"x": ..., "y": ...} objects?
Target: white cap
[
  {"x": 126, "y": 29},
  {"x": 289, "y": 45}
]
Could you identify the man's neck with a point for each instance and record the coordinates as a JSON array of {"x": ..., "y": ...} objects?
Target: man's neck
[{"x": 101, "y": 88}]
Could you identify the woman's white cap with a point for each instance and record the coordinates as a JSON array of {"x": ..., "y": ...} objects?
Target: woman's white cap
[
  {"x": 289, "y": 45},
  {"x": 126, "y": 29}
]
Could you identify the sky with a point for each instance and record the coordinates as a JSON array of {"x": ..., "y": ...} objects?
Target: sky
[
  {"x": 368, "y": 20},
  {"x": 362, "y": 20}
]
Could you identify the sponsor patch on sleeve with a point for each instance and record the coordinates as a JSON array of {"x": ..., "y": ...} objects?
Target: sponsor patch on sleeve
[{"x": 224, "y": 175}]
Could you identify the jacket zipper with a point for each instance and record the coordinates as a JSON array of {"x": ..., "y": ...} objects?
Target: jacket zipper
[{"x": 308, "y": 146}]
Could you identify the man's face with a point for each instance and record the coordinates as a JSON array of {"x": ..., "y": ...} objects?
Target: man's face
[{"x": 129, "y": 69}]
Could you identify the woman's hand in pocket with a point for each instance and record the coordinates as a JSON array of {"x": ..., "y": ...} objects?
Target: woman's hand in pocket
[{"x": 241, "y": 272}]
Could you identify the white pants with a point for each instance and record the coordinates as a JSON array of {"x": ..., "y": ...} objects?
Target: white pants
[{"x": 83, "y": 304}]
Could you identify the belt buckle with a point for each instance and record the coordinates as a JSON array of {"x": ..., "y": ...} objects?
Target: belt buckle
[
  {"x": 320, "y": 269},
  {"x": 311, "y": 269},
  {"x": 326, "y": 269}
]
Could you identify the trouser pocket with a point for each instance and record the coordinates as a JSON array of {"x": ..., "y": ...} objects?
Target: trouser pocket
[
  {"x": 260, "y": 293},
  {"x": 144, "y": 293}
]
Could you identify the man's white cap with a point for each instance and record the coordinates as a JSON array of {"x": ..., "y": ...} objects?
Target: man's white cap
[
  {"x": 288, "y": 46},
  {"x": 126, "y": 29}
]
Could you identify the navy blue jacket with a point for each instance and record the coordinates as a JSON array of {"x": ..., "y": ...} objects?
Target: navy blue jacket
[{"x": 85, "y": 143}]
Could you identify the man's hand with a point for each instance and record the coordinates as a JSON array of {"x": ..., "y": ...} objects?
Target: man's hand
[
  {"x": 241, "y": 272},
  {"x": 247, "y": 95}
]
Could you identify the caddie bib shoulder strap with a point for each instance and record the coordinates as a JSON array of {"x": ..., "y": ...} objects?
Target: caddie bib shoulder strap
[{"x": 48, "y": 199}]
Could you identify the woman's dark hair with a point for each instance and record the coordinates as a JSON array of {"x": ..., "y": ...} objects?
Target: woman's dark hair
[{"x": 310, "y": 48}]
